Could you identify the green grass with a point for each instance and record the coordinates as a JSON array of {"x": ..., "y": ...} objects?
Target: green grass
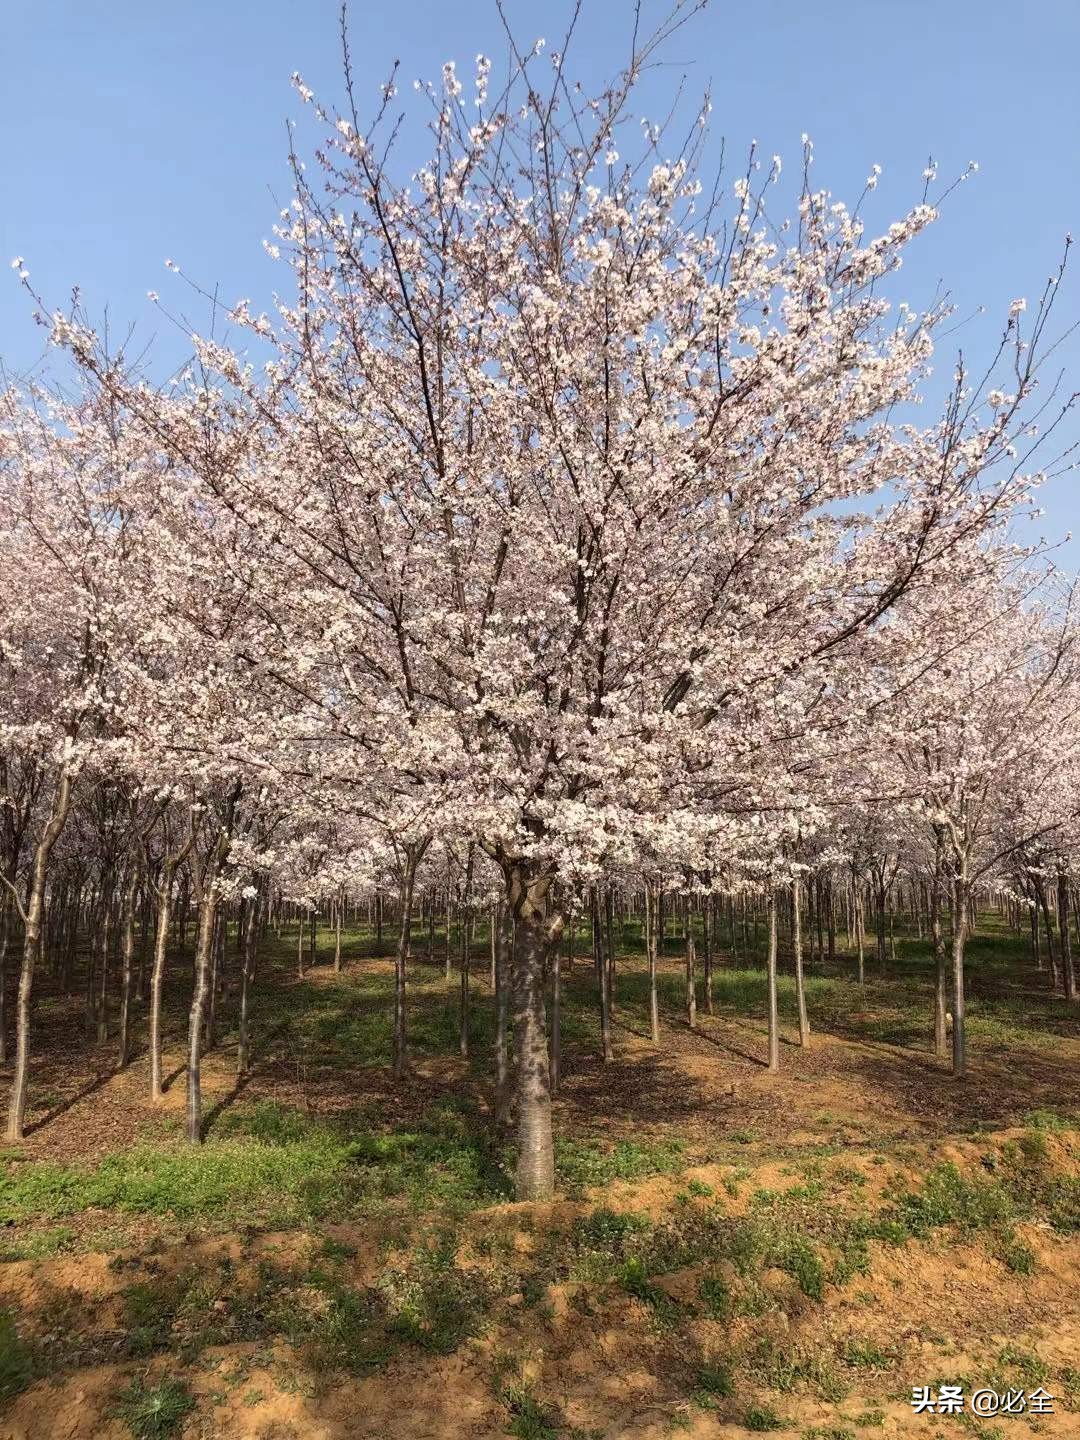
[
  {"x": 272, "y": 1166},
  {"x": 764, "y": 1417},
  {"x": 16, "y": 1363},
  {"x": 868, "y": 1355},
  {"x": 584, "y": 1163},
  {"x": 711, "y": 1383},
  {"x": 154, "y": 1412},
  {"x": 38, "y": 1244},
  {"x": 529, "y": 1419}
]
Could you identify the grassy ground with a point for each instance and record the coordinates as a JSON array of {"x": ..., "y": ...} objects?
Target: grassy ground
[{"x": 730, "y": 1252}]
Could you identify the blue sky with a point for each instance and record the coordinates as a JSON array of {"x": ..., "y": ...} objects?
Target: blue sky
[{"x": 136, "y": 131}]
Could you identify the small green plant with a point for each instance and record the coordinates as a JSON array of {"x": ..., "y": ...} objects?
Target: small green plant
[
  {"x": 1049, "y": 1120},
  {"x": 867, "y": 1355},
  {"x": 584, "y": 1163},
  {"x": 711, "y": 1383},
  {"x": 716, "y": 1296},
  {"x": 154, "y": 1412},
  {"x": 1016, "y": 1256},
  {"x": 149, "y": 1312},
  {"x": 799, "y": 1258},
  {"x": 529, "y": 1419},
  {"x": 1032, "y": 1371},
  {"x": 634, "y": 1279},
  {"x": 763, "y": 1417},
  {"x": 16, "y": 1368}
]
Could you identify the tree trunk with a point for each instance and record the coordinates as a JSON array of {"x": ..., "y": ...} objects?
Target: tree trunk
[
  {"x": 706, "y": 946},
  {"x": 411, "y": 859},
  {"x": 602, "y": 975},
  {"x": 127, "y": 961},
  {"x": 1051, "y": 953},
  {"x": 652, "y": 915},
  {"x": 103, "y": 993},
  {"x": 247, "y": 975},
  {"x": 556, "y": 1037},
  {"x": 466, "y": 945},
  {"x": 5, "y": 934},
  {"x": 16, "y": 1117},
  {"x": 960, "y": 933},
  {"x": 204, "y": 947},
  {"x": 204, "y": 943},
  {"x": 1068, "y": 969},
  {"x": 448, "y": 972},
  {"x": 691, "y": 983},
  {"x": 796, "y": 946},
  {"x": 941, "y": 1039},
  {"x": 502, "y": 1017},
  {"x": 157, "y": 975},
  {"x": 534, "y": 931},
  {"x": 774, "y": 1019},
  {"x": 860, "y": 933}
]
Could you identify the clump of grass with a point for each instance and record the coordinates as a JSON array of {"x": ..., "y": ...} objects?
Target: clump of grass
[
  {"x": 16, "y": 1363},
  {"x": 798, "y": 1257},
  {"x": 606, "y": 1229},
  {"x": 713, "y": 1382},
  {"x": 1016, "y": 1256},
  {"x": 764, "y": 1417},
  {"x": 584, "y": 1163},
  {"x": 634, "y": 1279},
  {"x": 154, "y": 1412},
  {"x": 149, "y": 1312},
  {"x": 716, "y": 1295},
  {"x": 1049, "y": 1120},
  {"x": 1031, "y": 1370},
  {"x": 1070, "y": 1387},
  {"x": 868, "y": 1355},
  {"x": 785, "y": 1371},
  {"x": 433, "y": 1303},
  {"x": 38, "y": 1244},
  {"x": 602, "y": 1240},
  {"x": 530, "y": 1419}
]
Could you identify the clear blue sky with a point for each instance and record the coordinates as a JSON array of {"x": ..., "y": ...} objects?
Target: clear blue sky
[{"x": 136, "y": 130}]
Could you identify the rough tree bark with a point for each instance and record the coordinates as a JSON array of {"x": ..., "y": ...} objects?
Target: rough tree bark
[
  {"x": 412, "y": 853},
  {"x": 503, "y": 943},
  {"x": 774, "y": 1021},
  {"x": 960, "y": 933},
  {"x": 536, "y": 928},
  {"x": 941, "y": 991},
  {"x": 603, "y": 976},
  {"x": 32, "y": 920},
  {"x": 208, "y": 897},
  {"x": 1068, "y": 968},
  {"x": 247, "y": 975},
  {"x": 652, "y": 912},
  {"x": 796, "y": 946},
  {"x": 691, "y": 983},
  {"x": 127, "y": 957}
]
